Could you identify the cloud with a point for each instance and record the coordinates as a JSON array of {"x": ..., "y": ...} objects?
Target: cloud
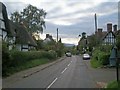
[
  {"x": 72, "y": 17},
  {"x": 70, "y": 40}
]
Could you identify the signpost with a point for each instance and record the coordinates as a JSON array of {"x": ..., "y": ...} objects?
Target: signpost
[{"x": 117, "y": 64}]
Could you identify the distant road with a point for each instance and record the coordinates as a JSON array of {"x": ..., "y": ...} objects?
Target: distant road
[{"x": 72, "y": 72}]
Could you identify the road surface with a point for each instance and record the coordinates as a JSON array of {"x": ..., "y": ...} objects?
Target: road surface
[{"x": 72, "y": 72}]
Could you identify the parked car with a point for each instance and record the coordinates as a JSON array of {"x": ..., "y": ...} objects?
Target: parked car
[
  {"x": 86, "y": 56},
  {"x": 68, "y": 54}
]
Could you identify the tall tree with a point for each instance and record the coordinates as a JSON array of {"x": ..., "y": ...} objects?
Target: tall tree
[
  {"x": 32, "y": 18},
  {"x": 16, "y": 17}
]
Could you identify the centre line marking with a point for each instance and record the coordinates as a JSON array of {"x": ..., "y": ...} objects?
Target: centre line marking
[
  {"x": 64, "y": 70},
  {"x": 69, "y": 64},
  {"x": 52, "y": 83}
]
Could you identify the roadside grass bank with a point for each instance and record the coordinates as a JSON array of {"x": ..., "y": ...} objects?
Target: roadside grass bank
[
  {"x": 113, "y": 85},
  {"x": 95, "y": 64},
  {"x": 99, "y": 58},
  {"x": 26, "y": 65},
  {"x": 17, "y": 61}
]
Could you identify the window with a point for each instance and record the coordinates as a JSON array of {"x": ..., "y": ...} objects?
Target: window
[{"x": 25, "y": 48}]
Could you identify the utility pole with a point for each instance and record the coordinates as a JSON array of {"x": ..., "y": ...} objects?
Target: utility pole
[
  {"x": 57, "y": 34},
  {"x": 95, "y": 23}
]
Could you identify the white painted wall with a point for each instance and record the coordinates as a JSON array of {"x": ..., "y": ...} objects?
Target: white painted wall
[
  {"x": 10, "y": 47},
  {"x": 18, "y": 47},
  {"x": 110, "y": 39},
  {"x": 0, "y": 32},
  {"x": 1, "y": 16},
  {"x": 25, "y": 47},
  {"x": 11, "y": 40},
  {"x": 22, "y": 47},
  {"x": 4, "y": 35},
  {"x": 2, "y": 25}
]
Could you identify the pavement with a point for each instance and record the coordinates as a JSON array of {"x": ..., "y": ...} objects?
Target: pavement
[{"x": 102, "y": 76}]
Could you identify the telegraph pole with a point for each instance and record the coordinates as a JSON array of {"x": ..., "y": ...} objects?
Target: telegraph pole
[
  {"x": 57, "y": 34},
  {"x": 95, "y": 23}
]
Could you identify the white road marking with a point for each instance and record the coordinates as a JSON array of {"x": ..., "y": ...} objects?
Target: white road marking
[
  {"x": 52, "y": 83},
  {"x": 69, "y": 64},
  {"x": 64, "y": 70}
]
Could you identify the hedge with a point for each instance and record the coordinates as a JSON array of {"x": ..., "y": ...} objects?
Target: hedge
[
  {"x": 13, "y": 59},
  {"x": 100, "y": 58}
]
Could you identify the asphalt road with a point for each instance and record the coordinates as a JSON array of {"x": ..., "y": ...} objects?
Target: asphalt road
[{"x": 72, "y": 72}]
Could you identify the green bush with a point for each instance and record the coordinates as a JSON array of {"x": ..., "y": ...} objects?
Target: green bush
[
  {"x": 52, "y": 54},
  {"x": 13, "y": 59},
  {"x": 113, "y": 84},
  {"x": 103, "y": 58},
  {"x": 99, "y": 58},
  {"x": 95, "y": 63},
  {"x": 5, "y": 58},
  {"x": 30, "y": 55}
]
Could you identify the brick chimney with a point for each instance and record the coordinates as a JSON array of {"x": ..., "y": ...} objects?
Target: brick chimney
[
  {"x": 109, "y": 27},
  {"x": 100, "y": 31},
  {"x": 47, "y": 35},
  {"x": 115, "y": 28}
]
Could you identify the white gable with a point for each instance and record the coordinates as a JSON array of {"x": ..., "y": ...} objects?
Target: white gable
[{"x": 109, "y": 39}]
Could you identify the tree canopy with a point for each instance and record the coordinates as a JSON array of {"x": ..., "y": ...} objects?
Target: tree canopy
[{"x": 31, "y": 17}]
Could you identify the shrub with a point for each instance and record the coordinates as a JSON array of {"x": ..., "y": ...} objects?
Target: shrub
[
  {"x": 30, "y": 55},
  {"x": 14, "y": 58},
  {"x": 99, "y": 58},
  {"x": 52, "y": 54},
  {"x": 113, "y": 84},
  {"x": 103, "y": 58},
  {"x": 5, "y": 58}
]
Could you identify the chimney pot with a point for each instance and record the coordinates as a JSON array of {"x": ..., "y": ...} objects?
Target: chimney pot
[
  {"x": 109, "y": 27},
  {"x": 47, "y": 35},
  {"x": 115, "y": 28}
]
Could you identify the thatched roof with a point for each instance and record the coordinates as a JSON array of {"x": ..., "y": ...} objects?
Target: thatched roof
[{"x": 21, "y": 34}]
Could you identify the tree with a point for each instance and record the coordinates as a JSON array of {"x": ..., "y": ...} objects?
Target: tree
[
  {"x": 16, "y": 17},
  {"x": 60, "y": 40},
  {"x": 32, "y": 18}
]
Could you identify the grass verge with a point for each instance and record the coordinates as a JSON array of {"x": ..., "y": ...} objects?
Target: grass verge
[
  {"x": 95, "y": 63},
  {"x": 30, "y": 64},
  {"x": 113, "y": 84}
]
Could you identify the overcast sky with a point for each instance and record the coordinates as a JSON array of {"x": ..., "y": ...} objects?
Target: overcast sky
[{"x": 72, "y": 17}]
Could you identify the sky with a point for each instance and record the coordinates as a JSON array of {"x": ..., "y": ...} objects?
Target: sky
[{"x": 71, "y": 17}]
